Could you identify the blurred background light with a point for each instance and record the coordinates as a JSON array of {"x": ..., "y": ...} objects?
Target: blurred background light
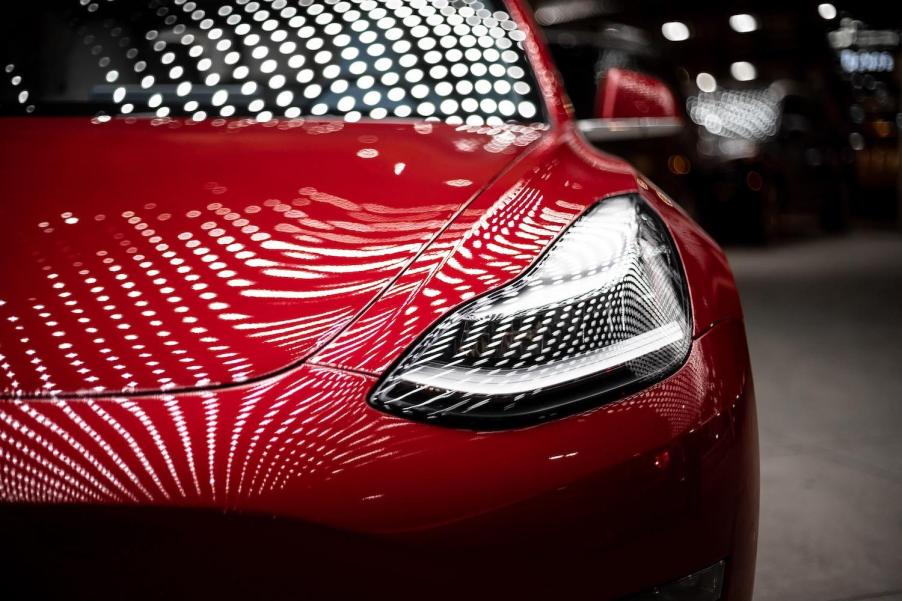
[
  {"x": 675, "y": 31},
  {"x": 751, "y": 115},
  {"x": 743, "y": 71},
  {"x": 743, "y": 23},
  {"x": 705, "y": 82},
  {"x": 826, "y": 11}
]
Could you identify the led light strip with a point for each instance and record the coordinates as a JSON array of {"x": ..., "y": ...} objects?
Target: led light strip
[{"x": 515, "y": 381}]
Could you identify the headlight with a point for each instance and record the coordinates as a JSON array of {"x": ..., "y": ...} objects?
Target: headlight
[{"x": 603, "y": 312}]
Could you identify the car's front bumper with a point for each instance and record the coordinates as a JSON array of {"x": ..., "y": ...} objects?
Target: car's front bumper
[{"x": 117, "y": 493}]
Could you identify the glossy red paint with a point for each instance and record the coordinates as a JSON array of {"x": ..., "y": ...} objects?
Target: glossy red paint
[
  {"x": 247, "y": 249},
  {"x": 584, "y": 496},
  {"x": 363, "y": 257},
  {"x": 627, "y": 94}
]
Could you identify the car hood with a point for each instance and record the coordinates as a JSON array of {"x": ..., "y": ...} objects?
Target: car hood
[{"x": 143, "y": 255}]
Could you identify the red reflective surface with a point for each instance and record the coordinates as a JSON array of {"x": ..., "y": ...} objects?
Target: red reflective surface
[
  {"x": 306, "y": 445},
  {"x": 194, "y": 254},
  {"x": 625, "y": 94},
  {"x": 269, "y": 274}
]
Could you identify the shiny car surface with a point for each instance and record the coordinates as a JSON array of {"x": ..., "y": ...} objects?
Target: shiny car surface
[{"x": 319, "y": 298}]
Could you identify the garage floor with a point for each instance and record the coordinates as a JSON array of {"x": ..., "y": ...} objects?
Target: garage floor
[{"x": 824, "y": 321}]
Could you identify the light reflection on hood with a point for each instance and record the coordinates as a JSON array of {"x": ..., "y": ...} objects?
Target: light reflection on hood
[{"x": 188, "y": 256}]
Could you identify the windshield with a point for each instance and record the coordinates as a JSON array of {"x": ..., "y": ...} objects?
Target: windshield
[{"x": 459, "y": 61}]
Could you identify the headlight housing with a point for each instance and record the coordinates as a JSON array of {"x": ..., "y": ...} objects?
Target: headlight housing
[{"x": 602, "y": 313}]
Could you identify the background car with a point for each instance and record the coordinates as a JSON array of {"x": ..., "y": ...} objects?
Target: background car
[{"x": 764, "y": 151}]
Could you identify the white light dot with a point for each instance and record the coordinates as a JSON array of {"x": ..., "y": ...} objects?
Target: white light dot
[
  {"x": 826, "y": 11},
  {"x": 527, "y": 109},
  {"x": 706, "y": 82},
  {"x": 743, "y": 71},
  {"x": 675, "y": 31},
  {"x": 372, "y": 98},
  {"x": 743, "y": 23},
  {"x": 443, "y": 88},
  {"x": 448, "y": 107},
  {"x": 220, "y": 96}
]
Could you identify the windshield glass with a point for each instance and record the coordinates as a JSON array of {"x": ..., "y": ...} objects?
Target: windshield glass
[{"x": 459, "y": 61}]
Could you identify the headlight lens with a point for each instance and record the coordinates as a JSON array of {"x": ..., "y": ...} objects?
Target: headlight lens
[{"x": 603, "y": 312}]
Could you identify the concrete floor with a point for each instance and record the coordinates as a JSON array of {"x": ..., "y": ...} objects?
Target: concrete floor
[{"x": 824, "y": 321}]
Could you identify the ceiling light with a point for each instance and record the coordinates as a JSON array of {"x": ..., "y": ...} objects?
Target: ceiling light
[
  {"x": 743, "y": 71},
  {"x": 706, "y": 82},
  {"x": 675, "y": 31},
  {"x": 743, "y": 23},
  {"x": 826, "y": 10}
]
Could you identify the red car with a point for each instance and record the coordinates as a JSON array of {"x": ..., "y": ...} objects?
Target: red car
[{"x": 324, "y": 298}]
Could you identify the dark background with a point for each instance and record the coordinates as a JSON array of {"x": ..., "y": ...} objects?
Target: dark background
[{"x": 797, "y": 173}]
